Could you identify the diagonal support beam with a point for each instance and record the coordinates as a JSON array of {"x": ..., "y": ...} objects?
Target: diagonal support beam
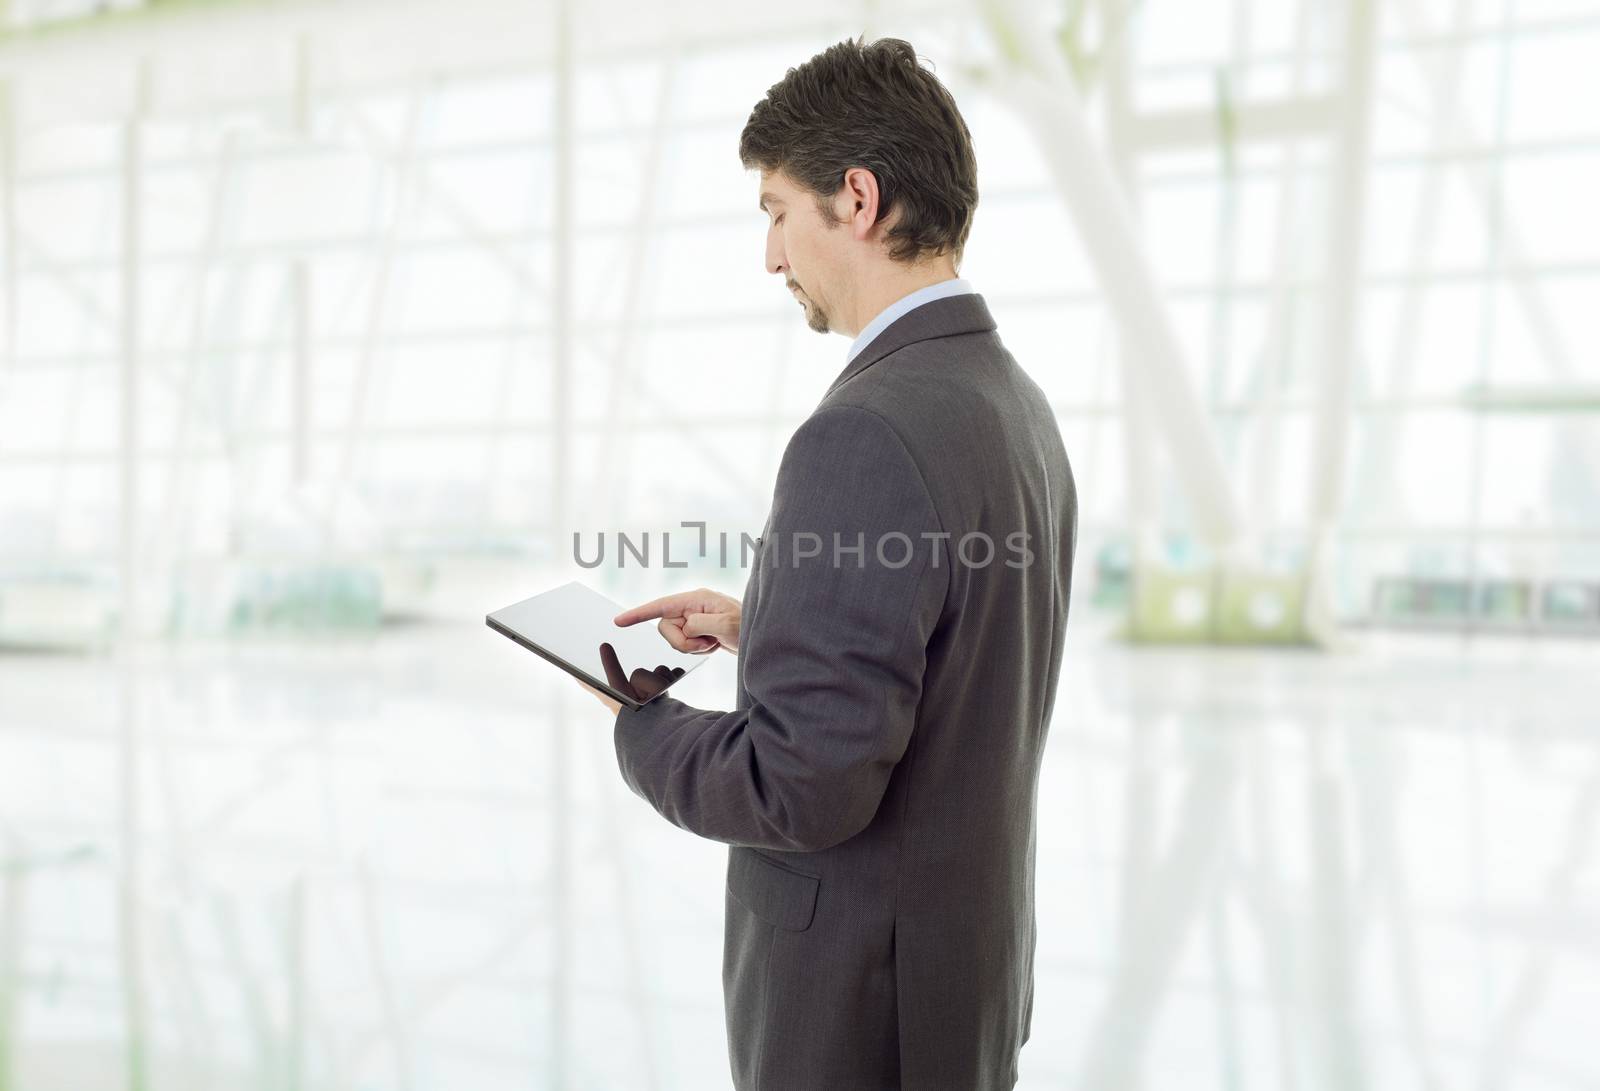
[{"x": 1039, "y": 86}]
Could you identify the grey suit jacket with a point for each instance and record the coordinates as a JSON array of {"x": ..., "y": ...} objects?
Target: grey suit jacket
[{"x": 877, "y": 778}]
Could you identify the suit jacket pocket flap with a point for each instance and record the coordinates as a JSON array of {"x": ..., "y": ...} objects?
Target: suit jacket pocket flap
[{"x": 771, "y": 891}]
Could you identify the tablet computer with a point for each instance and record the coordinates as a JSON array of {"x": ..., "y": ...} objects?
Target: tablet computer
[{"x": 571, "y": 626}]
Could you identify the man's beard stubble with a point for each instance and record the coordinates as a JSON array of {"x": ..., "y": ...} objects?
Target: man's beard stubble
[
  {"x": 816, "y": 317},
  {"x": 817, "y": 320}
]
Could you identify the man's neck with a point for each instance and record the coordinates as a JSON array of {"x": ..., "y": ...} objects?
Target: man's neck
[{"x": 882, "y": 291}]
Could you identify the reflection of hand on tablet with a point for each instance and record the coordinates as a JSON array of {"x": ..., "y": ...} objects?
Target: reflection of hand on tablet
[
  {"x": 696, "y": 621},
  {"x": 642, "y": 684}
]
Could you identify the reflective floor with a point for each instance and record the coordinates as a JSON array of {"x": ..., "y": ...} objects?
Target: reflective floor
[{"x": 408, "y": 862}]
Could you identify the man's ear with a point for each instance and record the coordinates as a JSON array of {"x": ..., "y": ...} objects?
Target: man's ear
[{"x": 858, "y": 202}]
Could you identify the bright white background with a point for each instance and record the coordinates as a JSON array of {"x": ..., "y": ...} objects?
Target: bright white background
[{"x": 310, "y": 825}]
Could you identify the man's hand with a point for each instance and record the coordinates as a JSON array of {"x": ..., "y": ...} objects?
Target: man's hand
[
  {"x": 610, "y": 702},
  {"x": 696, "y": 622}
]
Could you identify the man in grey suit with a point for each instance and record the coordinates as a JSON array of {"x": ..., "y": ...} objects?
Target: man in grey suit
[{"x": 900, "y": 637}]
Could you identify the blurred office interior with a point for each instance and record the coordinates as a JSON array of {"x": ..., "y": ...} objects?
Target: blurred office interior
[{"x": 328, "y": 325}]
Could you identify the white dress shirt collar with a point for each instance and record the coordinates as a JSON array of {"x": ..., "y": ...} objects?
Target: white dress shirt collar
[{"x": 941, "y": 290}]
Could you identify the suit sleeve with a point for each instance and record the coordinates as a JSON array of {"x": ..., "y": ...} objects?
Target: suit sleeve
[{"x": 833, "y": 661}]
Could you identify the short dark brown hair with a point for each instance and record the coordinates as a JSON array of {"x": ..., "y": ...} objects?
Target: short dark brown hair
[{"x": 873, "y": 105}]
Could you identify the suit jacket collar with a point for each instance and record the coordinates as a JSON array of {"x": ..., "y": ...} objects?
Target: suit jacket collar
[{"x": 947, "y": 317}]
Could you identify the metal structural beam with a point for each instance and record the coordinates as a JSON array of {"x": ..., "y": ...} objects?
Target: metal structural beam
[
  {"x": 13, "y": 926},
  {"x": 1341, "y": 310},
  {"x": 563, "y": 211},
  {"x": 1378, "y": 493},
  {"x": 1204, "y": 127},
  {"x": 1140, "y": 435},
  {"x": 1500, "y": 216},
  {"x": 300, "y": 287},
  {"x": 377, "y": 311},
  {"x": 8, "y": 225},
  {"x": 608, "y": 480},
  {"x": 129, "y": 338},
  {"x": 1268, "y": 403},
  {"x": 130, "y": 914},
  {"x": 168, "y": 543},
  {"x": 1045, "y": 94}
]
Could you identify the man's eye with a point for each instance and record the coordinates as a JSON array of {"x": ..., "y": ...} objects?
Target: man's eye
[{"x": 777, "y": 221}]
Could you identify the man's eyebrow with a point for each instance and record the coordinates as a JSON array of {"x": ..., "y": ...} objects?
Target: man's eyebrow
[{"x": 765, "y": 197}]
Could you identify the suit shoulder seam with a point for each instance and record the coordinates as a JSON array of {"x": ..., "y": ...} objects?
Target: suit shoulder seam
[{"x": 922, "y": 478}]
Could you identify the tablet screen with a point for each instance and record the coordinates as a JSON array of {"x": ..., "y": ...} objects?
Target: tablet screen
[{"x": 571, "y": 627}]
